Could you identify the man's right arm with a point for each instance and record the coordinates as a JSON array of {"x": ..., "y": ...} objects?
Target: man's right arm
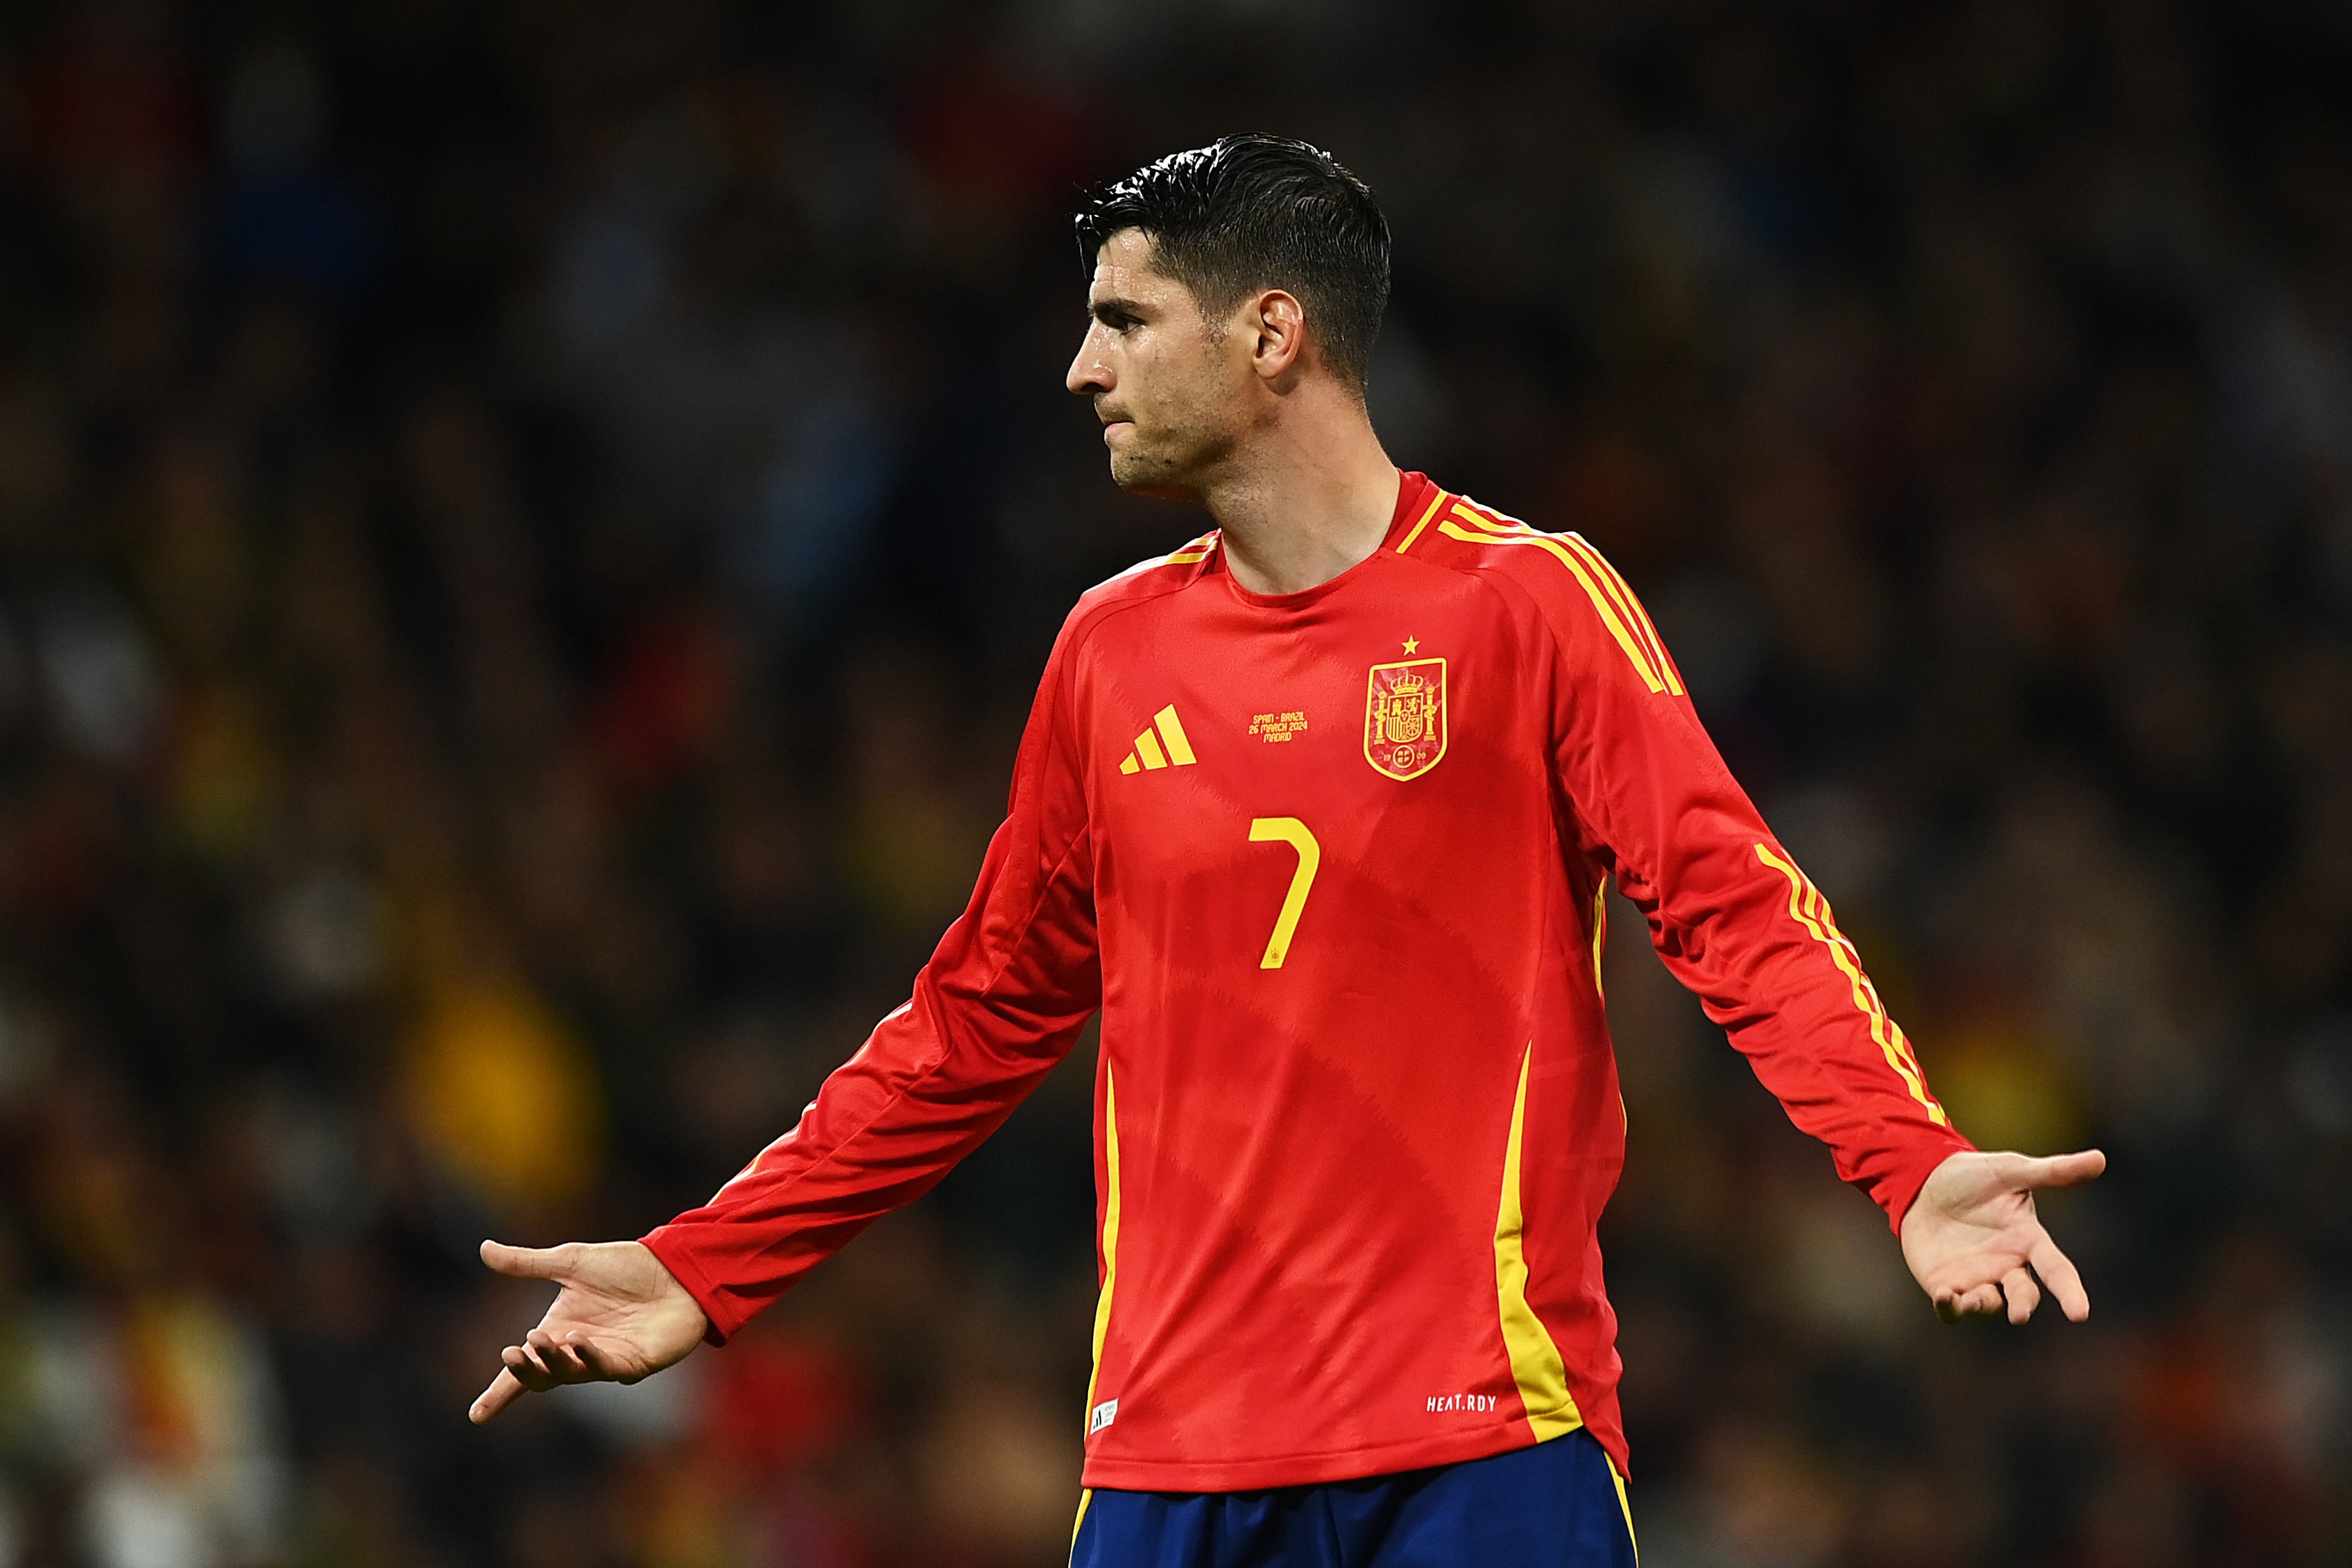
[{"x": 999, "y": 1003}]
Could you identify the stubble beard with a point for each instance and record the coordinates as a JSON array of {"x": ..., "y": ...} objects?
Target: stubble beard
[{"x": 1175, "y": 464}]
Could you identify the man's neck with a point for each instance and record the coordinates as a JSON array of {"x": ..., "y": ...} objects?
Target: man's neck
[{"x": 1313, "y": 496}]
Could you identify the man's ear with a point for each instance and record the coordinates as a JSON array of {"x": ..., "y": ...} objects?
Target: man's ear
[{"x": 1277, "y": 323}]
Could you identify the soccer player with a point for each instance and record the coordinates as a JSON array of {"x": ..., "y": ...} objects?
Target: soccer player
[{"x": 1318, "y": 811}]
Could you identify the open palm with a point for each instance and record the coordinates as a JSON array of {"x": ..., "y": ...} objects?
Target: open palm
[
  {"x": 1974, "y": 1242},
  {"x": 618, "y": 1317}
]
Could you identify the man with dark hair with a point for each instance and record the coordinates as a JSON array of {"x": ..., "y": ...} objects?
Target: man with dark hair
[
  {"x": 1319, "y": 811},
  {"x": 1227, "y": 218}
]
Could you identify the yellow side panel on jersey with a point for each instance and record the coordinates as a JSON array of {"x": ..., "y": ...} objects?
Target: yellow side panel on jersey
[
  {"x": 1109, "y": 1244},
  {"x": 1600, "y": 936},
  {"x": 1535, "y": 1364},
  {"x": 1602, "y": 600},
  {"x": 1810, "y": 909}
]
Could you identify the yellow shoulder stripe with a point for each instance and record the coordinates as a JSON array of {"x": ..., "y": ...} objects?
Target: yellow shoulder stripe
[
  {"x": 1635, "y": 651},
  {"x": 1470, "y": 512},
  {"x": 1810, "y": 909},
  {"x": 1620, "y": 610},
  {"x": 1434, "y": 502},
  {"x": 1635, "y": 616},
  {"x": 1183, "y": 555}
]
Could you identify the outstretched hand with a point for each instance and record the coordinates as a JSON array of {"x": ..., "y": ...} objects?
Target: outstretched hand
[
  {"x": 620, "y": 1316},
  {"x": 1973, "y": 1242}
]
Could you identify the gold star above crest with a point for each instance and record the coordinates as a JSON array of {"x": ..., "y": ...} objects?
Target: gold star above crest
[{"x": 1411, "y": 643}]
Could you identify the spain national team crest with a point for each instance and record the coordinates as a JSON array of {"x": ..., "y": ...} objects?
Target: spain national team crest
[{"x": 1404, "y": 717}]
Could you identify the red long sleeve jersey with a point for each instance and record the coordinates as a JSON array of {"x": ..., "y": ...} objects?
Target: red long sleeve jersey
[{"x": 1331, "y": 864}]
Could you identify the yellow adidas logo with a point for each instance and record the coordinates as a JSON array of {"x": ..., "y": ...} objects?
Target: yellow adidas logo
[{"x": 1147, "y": 753}]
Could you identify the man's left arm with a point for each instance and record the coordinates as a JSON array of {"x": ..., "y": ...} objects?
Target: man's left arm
[{"x": 1739, "y": 924}]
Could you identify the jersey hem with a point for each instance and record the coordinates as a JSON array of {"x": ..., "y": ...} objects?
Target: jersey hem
[
  {"x": 1306, "y": 1470},
  {"x": 692, "y": 1279},
  {"x": 1903, "y": 1189}
]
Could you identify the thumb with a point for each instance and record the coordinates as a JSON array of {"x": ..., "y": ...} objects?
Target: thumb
[
  {"x": 528, "y": 1263},
  {"x": 2062, "y": 1170}
]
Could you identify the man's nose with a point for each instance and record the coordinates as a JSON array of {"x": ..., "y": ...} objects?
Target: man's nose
[{"x": 1089, "y": 372}]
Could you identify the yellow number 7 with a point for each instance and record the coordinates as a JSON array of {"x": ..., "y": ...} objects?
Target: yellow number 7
[{"x": 1291, "y": 831}]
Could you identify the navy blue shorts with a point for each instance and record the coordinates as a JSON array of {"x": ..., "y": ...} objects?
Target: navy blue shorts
[{"x": 1556, "y": 1503}]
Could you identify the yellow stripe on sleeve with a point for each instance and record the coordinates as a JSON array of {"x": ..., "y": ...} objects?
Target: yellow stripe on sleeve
[{"x": 1810, "y": 909}]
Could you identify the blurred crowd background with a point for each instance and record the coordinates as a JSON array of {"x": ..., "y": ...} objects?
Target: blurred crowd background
[{"x": 528, "y": 530}]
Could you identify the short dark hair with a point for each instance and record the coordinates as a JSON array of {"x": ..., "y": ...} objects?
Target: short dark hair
[{"x": 1254, "y": 211}]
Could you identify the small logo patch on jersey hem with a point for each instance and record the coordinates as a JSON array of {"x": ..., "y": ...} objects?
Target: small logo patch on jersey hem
[
  {"x": 1476, "y": 1403},
  {"x": 1404, "y": 717},
  {"x": 1104, "y": 1415}
]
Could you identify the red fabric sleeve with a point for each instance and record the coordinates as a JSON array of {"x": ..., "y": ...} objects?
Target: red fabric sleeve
[
  {"x": 1000, "y": 1001},
  {"x": 1736, "y": 920}
]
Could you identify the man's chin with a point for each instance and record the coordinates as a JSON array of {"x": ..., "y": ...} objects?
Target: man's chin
[{"x": 1157, "y": 480}]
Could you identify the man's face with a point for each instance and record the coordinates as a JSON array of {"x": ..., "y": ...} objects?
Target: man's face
[{"x": 1171, "y": 389}]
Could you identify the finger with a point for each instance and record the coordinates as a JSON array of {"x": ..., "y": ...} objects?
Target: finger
[
  {"x": 558, "y": 1358},
  {"x": 528, "y": 1263},
  {"x": 549, "y": 1361},
  {"x": 597, "y": 1358},
  {"x": 527, "y": 1368},
  {"x": 1953, "y": 1305},
  {"x": 2023, "y": 1294},
  {"x": 2062, "y": 1170},
  {"x": 503, "y": 1391},
  {"x": 2057, "y": 1271},
  {"x": 1976, "y": 1301}
]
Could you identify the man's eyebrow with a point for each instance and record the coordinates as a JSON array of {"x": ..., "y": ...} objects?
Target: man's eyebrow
[{"x": 1111, "y": 305}]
